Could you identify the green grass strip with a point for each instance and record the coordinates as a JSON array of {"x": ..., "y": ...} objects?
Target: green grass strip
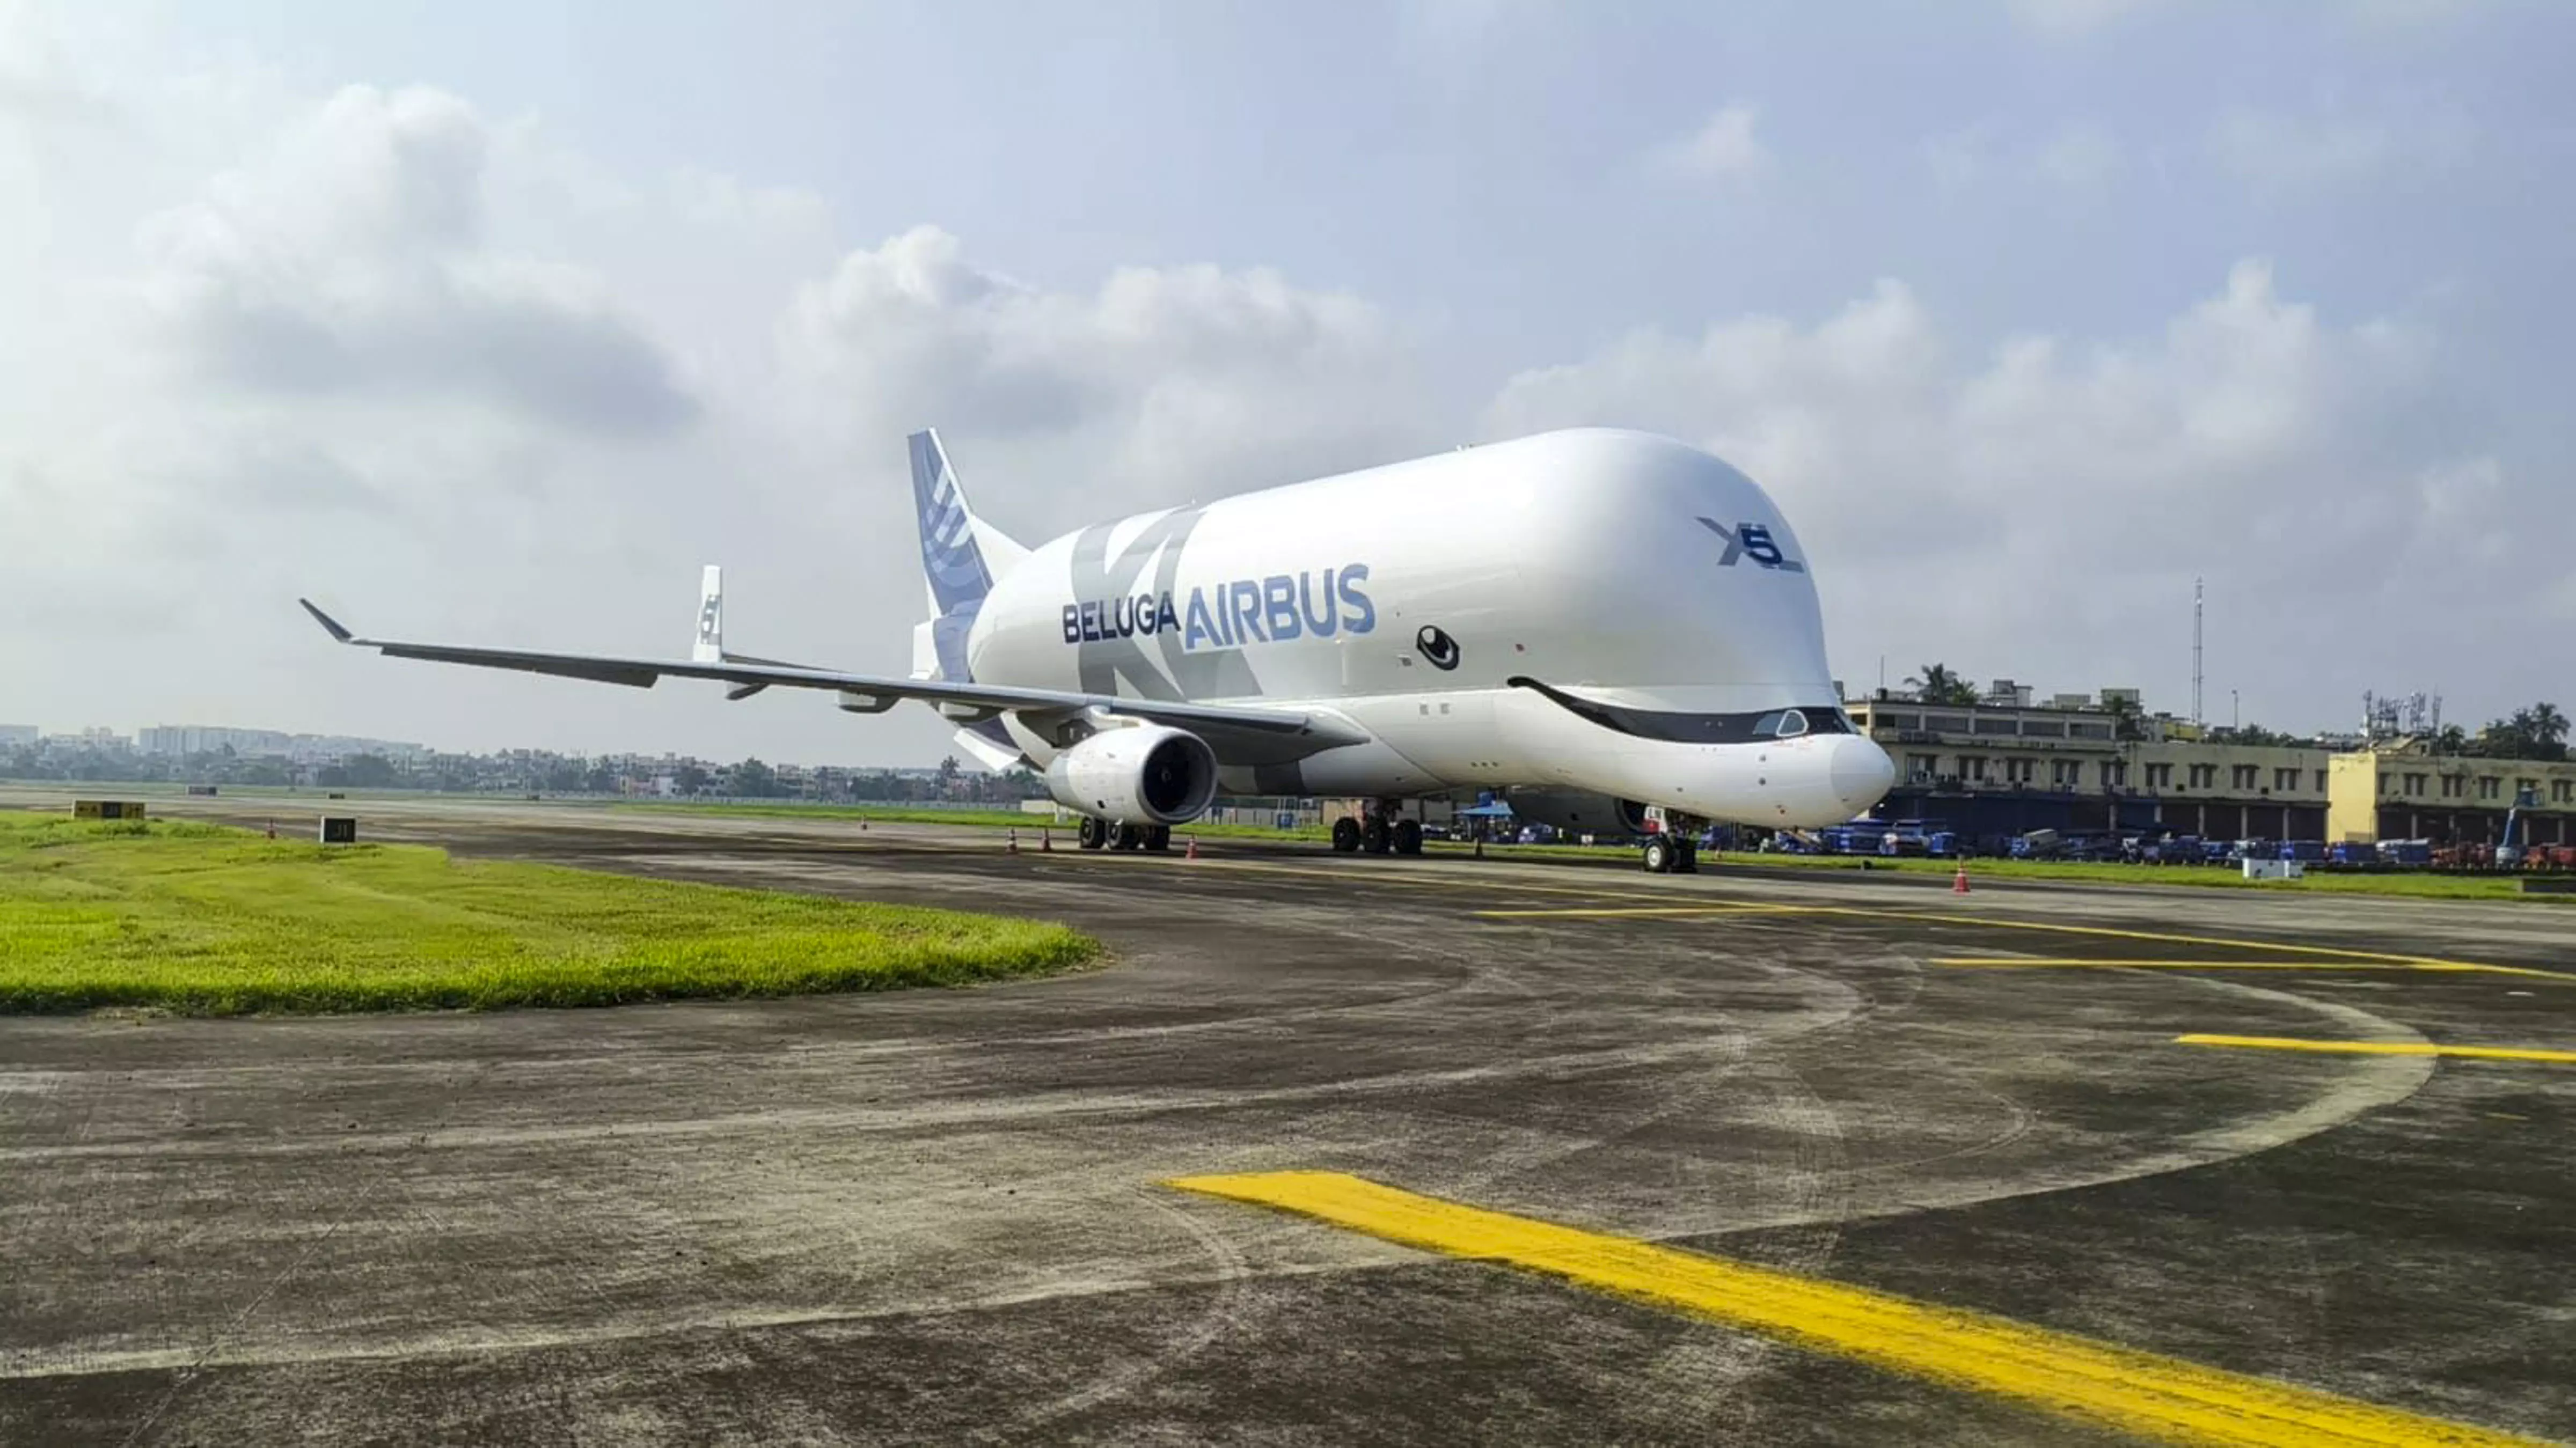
[{"x": 204, "y": 920}]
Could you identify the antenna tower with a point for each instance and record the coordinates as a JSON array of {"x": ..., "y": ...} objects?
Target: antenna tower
[{"x": 2195, "y": 651}]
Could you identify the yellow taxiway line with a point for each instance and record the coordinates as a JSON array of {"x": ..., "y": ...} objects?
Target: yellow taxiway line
[
  {"x": 2120, "y": 1388},
  {"x": 2324, "y": 962},
  {"x": 2380, "y": 1048},
  {"x": 2316, "y": 956}
]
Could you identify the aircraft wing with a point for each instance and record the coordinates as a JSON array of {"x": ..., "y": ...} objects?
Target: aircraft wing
[{"x": 1237, "y": 734}]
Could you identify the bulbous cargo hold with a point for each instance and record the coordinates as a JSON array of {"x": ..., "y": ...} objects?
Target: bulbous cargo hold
[{"x": 1619, "y": 565}]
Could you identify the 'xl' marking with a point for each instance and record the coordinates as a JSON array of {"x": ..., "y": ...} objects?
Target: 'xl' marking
[{"x": 1751, "y": 540}]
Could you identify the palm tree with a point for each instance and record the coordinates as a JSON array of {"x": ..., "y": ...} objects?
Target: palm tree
[
  {"x": 1935, "y": 684},
  {"x": 2124, "y": 716},
  {"x": 2546, "y": 729}
]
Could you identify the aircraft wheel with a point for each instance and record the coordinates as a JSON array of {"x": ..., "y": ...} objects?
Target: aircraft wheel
[
  {"x": 1346, "y": 836},
  {"x": 1131, "y": 837},
  {"x": 1659, "y": 856},
  {"x": 1159, "y": 838},
  {"x": 1408, "y": 837},
  {"x": 1685, "y": 857},
  {"x": 1093, "y": 834},
  {"x": 1377, "y": 836}
]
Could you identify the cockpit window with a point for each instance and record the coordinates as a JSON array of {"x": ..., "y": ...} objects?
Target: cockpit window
[{"x": 1696, "y": 728}]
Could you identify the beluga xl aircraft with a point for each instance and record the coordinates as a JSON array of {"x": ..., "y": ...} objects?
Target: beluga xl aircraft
[{"x": 1616, "y": 631}]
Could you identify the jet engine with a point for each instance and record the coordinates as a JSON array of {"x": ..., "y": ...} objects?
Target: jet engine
[
  {"x": 1577, "y": 812},
  {"x": 1144, "y": 774}
]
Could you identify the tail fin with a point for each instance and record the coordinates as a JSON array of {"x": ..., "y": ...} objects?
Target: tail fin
[
  {"x": 709, "y": 649},
  {"x": 959, "y": 552},
  {"x": 961, "y": 555}
]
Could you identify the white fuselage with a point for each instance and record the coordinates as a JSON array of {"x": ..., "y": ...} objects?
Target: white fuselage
[{"x": 1655, "y": 592}]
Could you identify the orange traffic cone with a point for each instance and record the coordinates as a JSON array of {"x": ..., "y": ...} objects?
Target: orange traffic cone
[
  {"x": 1015, "y": 842},
  {"x": 1194, "y": 849},
  {"x": 1959, "y": 881}
]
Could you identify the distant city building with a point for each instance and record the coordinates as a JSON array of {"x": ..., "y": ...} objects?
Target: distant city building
[
  {"x": 17, "y": 735},
  {"x": 177, "y": 741}
]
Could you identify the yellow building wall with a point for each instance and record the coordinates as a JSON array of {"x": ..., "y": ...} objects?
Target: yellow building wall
[{"x": 2352, "y": 798}]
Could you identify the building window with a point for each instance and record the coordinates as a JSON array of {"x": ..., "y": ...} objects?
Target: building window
[
  {"x": 1992, "y": 724},
  {"x": 1922, "y": 766},
  {"x": 2532, "y": 785},
  {"x": 2204, "y": 776},
  {"x": 2563, "y": 790},
  {"x": 1972, "y": 766},
  {"x": 2085, "y": 729},
  {"x": 2321, "y": 781},
  {"x": 2159, "y": 776},
  {"x": 2285, "y": 780},
  {"x": 1946, "y": 723},
  {"x": 2454, "y": 785},
  {"x": 2018, "y": 771},
  {"x": 2415, "y": 784},
  {"x": 2071, "y": 772},
  {"x": 2243, "y": 775},
  {"x": 2490, "y": 787},
  {"x": 2115, "y": 774}
]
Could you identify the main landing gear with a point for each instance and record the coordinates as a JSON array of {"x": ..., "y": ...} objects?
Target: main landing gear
[
  {"x": 1096, "y": 834},
  {"x": 1379, "y": 832}
]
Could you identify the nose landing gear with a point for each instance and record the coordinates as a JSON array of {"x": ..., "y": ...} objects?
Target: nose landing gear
[{"x": 1674, "y": 848}]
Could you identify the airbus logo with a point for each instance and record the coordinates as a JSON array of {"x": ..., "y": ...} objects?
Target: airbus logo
[{"x": 1751, "y": 540}]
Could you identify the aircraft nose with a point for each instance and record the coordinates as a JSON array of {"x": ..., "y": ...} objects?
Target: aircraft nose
[{"x": 1861, "y": 772}]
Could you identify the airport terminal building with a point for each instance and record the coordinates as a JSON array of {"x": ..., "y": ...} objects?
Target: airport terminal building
[{"x": 2004, "y": 767}]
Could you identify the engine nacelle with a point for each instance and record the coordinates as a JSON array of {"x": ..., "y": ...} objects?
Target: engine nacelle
[
  {"x": 1144, "y": 774},
  {"x": 1578, "y": 812}
]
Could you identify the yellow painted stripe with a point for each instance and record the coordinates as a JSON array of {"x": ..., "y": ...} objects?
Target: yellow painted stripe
[
  {"x": 2113, "y": 963},
  {"x": 2380, "y": 1048},
  {"x": 1649, "y": 911},
  {"x": 2136, "y": 1392},
  {"x": 2438, "y": 967}
]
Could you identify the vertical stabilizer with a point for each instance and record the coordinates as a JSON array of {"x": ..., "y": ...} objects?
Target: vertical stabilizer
[{"x": 961, "y": 555}]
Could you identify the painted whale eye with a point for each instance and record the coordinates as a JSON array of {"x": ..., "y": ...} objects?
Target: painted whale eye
[{"x": 1437, "y": 647}]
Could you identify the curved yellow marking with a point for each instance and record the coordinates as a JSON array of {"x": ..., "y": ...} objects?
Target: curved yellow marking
[
  {"x": 2381, "y": 1048},
  {"x": 2137, "y": 1392}
]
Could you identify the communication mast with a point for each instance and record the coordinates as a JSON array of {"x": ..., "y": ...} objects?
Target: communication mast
[{"x": 2195, "y": 651}]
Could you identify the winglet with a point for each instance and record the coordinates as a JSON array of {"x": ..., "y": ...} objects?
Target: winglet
[
  {"x": 327, "y": 621},
  {"x": 709, "y": 648}
]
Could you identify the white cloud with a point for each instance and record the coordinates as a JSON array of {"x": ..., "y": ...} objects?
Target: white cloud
[
  {"x": 353, "y": 258},
  {"x": 1724, "y": 145},
  {"x": 1164, "y": 383},
  {"x": 1955, "y": 499}
]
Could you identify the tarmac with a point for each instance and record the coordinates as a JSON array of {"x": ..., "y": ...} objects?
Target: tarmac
[{"x": 1731, "y": 1158}]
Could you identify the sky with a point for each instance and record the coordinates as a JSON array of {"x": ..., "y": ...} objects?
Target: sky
[{"x": 489, "y": 323}]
